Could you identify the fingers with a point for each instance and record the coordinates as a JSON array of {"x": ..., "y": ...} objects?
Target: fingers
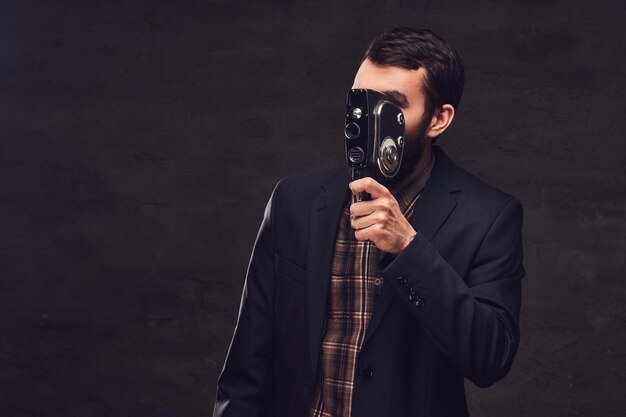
[
  {"x": 373, "y": 233},
  {"x": 362, "y": 222},
  {"x": 371, "y": 219},
  {"x": 363, "y": 208},
  {"x": 369, "y": 185}
]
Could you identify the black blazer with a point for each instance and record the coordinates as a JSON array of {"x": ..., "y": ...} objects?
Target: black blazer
[{"x": 465, "y": 263}]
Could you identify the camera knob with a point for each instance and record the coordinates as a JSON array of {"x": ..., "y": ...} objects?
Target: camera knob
[
  {"x": 352, "y": 130},
  {"x": 356, "y": 155}
]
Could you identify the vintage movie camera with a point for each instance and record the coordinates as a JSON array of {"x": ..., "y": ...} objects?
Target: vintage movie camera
[{"x": 374, "y": 136}]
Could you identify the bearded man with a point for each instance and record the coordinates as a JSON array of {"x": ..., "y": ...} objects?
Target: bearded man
[{"x": 383, "y": 307}]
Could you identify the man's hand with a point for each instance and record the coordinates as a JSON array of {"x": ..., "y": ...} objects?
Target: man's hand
[{"x": 379, "y": 219}]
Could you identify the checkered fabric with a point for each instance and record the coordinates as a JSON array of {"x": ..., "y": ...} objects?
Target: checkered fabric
[{"x": 354, "y": 284}]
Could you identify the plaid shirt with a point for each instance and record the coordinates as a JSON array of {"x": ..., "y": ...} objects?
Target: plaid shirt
[{"x": 354, "y": 284}]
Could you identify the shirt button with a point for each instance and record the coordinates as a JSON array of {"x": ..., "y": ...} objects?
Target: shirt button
[{"x": 377, "y": 281}]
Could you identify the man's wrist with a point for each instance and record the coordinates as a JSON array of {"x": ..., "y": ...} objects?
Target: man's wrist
[{"x": 408, "y": 242}]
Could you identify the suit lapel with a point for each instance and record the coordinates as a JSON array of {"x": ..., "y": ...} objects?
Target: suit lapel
[
  {"x": 325, "y": 215},
  {"x": 433, "y": 207},
  {"x": 431, "y": 210}
]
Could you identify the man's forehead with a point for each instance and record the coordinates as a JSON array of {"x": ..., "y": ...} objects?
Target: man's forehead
[{"x": 399, "y": 84}]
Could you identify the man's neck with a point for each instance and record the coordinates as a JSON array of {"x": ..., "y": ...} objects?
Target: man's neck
[{"x": 417, "y": 170}]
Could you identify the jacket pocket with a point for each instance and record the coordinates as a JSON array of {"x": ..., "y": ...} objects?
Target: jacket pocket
[{"x": 290, "y": 271}]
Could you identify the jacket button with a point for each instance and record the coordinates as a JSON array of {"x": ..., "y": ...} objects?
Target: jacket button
[
  {"x": 367, "y": 372},
  {"x": 419, "y": 303},
  {"x": 402, "y": 280},
  {"x": 408, "y": 288},
  {"x": 413, "y": 296}
]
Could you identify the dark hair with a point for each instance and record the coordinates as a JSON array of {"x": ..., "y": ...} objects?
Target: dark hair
[{"x": 413, "y": 49}]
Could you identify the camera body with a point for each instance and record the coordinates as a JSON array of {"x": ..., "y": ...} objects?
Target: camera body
[{"x": 374, "y": 133}]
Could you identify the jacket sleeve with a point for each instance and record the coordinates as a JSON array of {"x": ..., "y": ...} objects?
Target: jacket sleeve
[
  {"x": 473, "y": 320},
  {"x": 245, "y": 383}
]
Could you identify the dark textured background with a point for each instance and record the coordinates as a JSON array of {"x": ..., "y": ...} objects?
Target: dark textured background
[{"x": 140, "y": 142}]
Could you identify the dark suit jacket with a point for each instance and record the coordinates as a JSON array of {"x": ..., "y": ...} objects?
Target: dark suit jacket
[{"x": 465, "y": 263}]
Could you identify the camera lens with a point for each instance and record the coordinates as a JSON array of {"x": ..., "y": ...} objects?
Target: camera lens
[
  {"x": 352, "y": 130},
  {"x": 388, "y": 157}
]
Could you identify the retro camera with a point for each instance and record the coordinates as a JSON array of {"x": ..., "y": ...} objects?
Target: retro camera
[{"x": 374, "y": 135}]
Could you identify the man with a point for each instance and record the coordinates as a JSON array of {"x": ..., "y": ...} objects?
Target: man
[{"x": 381, "y": 307}]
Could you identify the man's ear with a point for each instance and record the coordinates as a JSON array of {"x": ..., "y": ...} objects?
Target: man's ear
[{"x": 440, "y": 121}]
